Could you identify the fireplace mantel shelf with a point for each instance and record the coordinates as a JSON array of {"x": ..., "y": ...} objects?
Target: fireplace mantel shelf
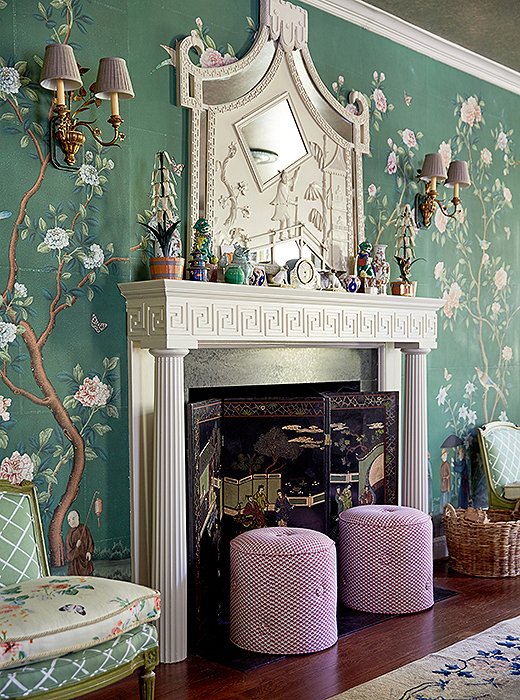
[
  {"x": 170, "y": 318},
  {"x": 171, "y": 314}
]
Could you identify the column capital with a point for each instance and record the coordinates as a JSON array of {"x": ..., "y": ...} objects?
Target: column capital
[
  {"x": 414, "y": 351},
  {"x": 168, "y": 352}
]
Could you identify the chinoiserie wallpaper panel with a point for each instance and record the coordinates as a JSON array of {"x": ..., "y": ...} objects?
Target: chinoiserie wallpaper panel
[{"x": 78, "y": 233}]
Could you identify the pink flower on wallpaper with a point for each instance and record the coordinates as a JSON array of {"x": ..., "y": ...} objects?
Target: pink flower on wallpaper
[
  {"x": 507, "y": 194},
  {"x": 93, "y": 393},
  {"x": 500, "y": 278},
  {"x": 495, "y": 308},
  {"x": 379, "y": 99},
  {"x": 4, "y": 405},
  {"x": 211, "y": 58},
  {"x": 372, "y": 190},
  {"x": 17, "y": 468},
  {"x": 451, "y": 299},
  {"x": 470, "y": 112},
  {"x": 391, "y": 163},
  {"x": 445, "y": 153},
  {"x": 198, "y": 22},
  {"x": 409, "y": 138},
  {"x": 438, "y": 270}
]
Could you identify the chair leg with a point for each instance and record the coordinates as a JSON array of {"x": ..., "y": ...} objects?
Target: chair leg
[
  {"x": 147, "y": 674},
  {"x": 147, "y": 684}
]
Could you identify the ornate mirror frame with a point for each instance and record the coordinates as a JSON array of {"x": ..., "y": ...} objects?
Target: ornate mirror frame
[{"x": 318, "y": 199}]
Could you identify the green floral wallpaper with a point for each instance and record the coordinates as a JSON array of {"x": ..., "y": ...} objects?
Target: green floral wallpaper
[{"x": 70, "y": 238}]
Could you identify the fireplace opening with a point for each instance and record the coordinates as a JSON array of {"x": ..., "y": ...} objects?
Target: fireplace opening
[{"x": 277, "y": 456}]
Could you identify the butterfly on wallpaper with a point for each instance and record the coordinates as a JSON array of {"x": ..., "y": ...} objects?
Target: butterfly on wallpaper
[
  {"x": 407, "y": 99},
  {"x": 447, "y": 375},
  {"x": 176, "y": 167},
  {"x": 70, "y": 607},
  {"x": 96, "y": 324}
]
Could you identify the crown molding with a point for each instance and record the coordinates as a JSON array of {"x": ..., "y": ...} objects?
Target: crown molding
[{"x": 402, "y": 32}]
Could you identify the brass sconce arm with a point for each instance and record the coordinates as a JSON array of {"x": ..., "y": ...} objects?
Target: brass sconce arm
[
  {"x": 434, "y": 169},
  {"x": 60, "y": 73}
]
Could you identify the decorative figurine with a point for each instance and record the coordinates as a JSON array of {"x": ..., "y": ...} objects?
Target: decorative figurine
[
  {"x": 329, "y": 281},
  {"x": 363, "y": 268},
  {"x": 197, "y": 271},
  {"x": 258, "y": 277},
  {"x": 241, "y": 259},
  {"x": 381, "y": 268},
  {"x": 350, "y": 282},
  {"x": 164, "y": 222},
  {"x": 405, "y": 258}
]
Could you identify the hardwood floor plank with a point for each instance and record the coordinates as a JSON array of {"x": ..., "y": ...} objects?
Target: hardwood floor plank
[{"x": 355, "y": 659}]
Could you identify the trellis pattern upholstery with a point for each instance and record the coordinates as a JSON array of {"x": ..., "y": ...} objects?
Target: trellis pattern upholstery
[
  {"x": 386, "y": 559},
  {"x": 500, "y": 450},
  {"x": 64, "y": 636}
]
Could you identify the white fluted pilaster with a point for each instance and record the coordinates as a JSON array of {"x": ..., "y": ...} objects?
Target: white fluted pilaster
[
  {"x": 169, "y": 558},
  {"x": 414, "y": 462}
]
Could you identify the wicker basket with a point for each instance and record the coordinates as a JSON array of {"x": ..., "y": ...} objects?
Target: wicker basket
[{"x": 483, "y": 549}]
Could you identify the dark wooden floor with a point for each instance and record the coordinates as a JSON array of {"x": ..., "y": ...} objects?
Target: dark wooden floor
[{"x": 355, "y": 659}]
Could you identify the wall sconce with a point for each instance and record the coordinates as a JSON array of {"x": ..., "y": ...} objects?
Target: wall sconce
[
  {"x": 431, "y": 171},
  {"x": 60, "y": 73}
]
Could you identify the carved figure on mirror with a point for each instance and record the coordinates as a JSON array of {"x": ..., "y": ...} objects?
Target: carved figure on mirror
[
  {"x": 231, "y": 200},
  {"x": 283, "y": 200}
]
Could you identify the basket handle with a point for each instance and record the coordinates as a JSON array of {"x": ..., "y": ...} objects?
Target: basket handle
[{"x": 449, "y": 511}]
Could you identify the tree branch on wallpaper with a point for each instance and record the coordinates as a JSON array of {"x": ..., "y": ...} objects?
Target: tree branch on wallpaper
[{"x": 63, "y": 233}]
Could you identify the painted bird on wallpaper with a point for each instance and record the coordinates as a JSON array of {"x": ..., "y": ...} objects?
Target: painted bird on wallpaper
[{"x": 488, "y": 384}]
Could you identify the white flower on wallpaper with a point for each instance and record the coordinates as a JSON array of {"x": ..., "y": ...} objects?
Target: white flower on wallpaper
[
  {"x": 56, "y": 238},
  {"x": 451, "y": 299},
  {"x": 495, "y": 309},
  {"x": 88, "y": 174},
  {"x": 8, "y": 332},
  {"x": 507, "y": 353},
  {"x": 5, "y": 403},
  {"x": 20, "y": 290},
  {"x": 93, "y": 393},
  {"x": 471, "y": 112},
  {"x": 486, "y": 156},
  {"x": 502, "y": 140},
  {"x": 10, "y": 82},
  {"x": 440, "y": 220},
  {"x": 470, "y": 388},
  {"x": 438, "y": 270},
  {"x": 96, "y": 257},
  {"x": 409, "y": 138},
  {"x": 508, "y": 196},
  {"x": 445, "y": 153},
  {"x": 442, "y": 396},
  {"x": 372, "y": 190},
  {"x": 17, "y": 468}
]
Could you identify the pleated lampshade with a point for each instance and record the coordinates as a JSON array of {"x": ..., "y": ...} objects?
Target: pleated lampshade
[
  {"x": 113, "y": 78},
  {"x": 433, "y": 167},
  {"x": 59, "y": 63},
  {"x": 458, "y": 173}
]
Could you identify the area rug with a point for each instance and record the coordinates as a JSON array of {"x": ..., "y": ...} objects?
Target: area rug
[
  {"x": 218, "y": 648},
  {"x": 486, "y": 665}
]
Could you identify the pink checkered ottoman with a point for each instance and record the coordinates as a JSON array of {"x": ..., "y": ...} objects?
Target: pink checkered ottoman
[
  {"x": 386, "y": 559},
  {"x": 283, "y": 591}
]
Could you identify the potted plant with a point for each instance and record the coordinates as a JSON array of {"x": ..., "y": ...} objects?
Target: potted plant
[
  {"x": 168, "y": 262},
  {"x": 405, "y": 258}
]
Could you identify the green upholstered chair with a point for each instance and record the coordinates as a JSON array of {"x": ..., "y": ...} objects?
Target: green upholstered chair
[
  {"x": 65, "y": 636},
  {"x": 500, "y": 450}
]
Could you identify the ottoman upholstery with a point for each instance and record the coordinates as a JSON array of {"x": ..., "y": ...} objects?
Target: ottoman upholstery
[
  {"x": 386, "y": 559},
  {"x": 283, "y": 591}
]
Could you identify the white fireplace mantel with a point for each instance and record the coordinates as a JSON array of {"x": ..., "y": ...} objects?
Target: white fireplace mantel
[{"x": 169, "y": 318}]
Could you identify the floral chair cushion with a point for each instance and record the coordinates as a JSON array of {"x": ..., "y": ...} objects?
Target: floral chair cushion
[
  {"x": 78, "y": 666},
  {"x": 52, "y": 616},
  {"x": 18, "y": 542}
]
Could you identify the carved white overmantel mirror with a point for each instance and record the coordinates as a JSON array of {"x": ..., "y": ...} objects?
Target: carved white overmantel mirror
[{"x": 275, "y": 159}]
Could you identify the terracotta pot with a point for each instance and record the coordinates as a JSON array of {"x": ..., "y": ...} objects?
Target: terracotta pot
[
  {"x": 403, "y": 289},
  {"x": 166, "y": 268}
]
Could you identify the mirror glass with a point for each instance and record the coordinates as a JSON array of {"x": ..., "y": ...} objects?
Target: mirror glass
[{"x": 272, "y": 140}]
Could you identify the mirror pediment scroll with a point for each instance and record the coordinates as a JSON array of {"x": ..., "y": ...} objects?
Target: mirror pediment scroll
[{"x": 274, "y": 157}]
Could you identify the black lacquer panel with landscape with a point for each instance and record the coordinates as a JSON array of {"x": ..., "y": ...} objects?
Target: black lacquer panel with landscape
[{"x": 294, "y": 462}]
